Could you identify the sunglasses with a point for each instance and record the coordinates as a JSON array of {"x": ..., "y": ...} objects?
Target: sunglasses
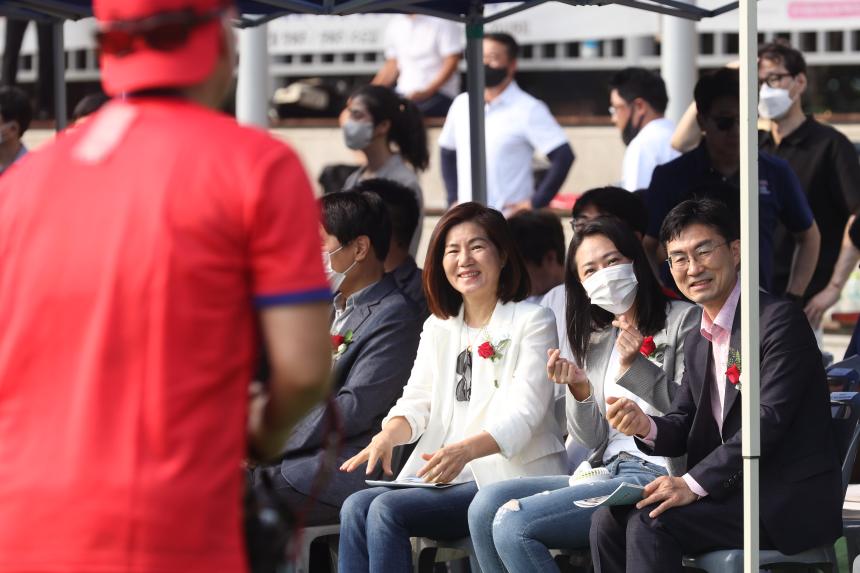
[
  {"x": 463, "y": 391},
  {"x": 162, "y": 32},
  {"x": 726, "y": 123}
]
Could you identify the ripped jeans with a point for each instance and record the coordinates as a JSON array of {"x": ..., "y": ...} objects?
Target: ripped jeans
[{"x": 514, "y": 523}]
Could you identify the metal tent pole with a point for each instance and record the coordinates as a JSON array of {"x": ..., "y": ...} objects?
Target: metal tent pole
[
  {"x": 750, "y": 369},
  {"x": 60, "y": 106},
  {"x": 252, "y": 88},
  {"x": 475, "y": 86},
  {"x": 678, "y": 63}
]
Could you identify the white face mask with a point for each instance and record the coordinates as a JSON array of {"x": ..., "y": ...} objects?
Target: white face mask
[
  {"x": 357, "y": 134},
  {"x": 612, "y": 288},
  {"x": 335, "y": 278},
  {"x": 773, "y": 103}
]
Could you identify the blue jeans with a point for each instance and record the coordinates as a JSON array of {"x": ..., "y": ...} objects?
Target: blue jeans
[
  {"x": 376, "y": 524},
  {"x": 518, "y": 536}
]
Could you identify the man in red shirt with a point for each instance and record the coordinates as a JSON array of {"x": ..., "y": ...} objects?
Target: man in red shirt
[{"x": 133, "y": 252}]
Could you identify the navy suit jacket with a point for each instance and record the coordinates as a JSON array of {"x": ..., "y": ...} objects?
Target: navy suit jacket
[
  {"x": 800, "y": 480},
  {"x": 367, "y": 378}
]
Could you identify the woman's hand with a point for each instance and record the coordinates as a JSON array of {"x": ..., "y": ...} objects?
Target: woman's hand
[
  {"x": 446, "y": 463},
  {"x": 629, "y": 341},
  {"x": 380, "y": 448},
  {"x": 563, "y": 371}
]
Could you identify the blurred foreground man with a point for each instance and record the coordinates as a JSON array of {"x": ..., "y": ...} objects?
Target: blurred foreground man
[{"x": 134, "y": 251}]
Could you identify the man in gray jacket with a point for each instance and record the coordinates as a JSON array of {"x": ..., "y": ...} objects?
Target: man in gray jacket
[{"x": 375, "y": 331}]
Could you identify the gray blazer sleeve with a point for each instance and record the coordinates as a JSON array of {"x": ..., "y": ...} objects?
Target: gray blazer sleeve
[{"x": 585, "y": 420}]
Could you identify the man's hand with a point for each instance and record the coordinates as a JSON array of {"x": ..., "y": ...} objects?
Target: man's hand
[
  {"x": 512, "y": 209},
  {"x": 671, "y": 491},
  {"x": 380, "y": 448},
  {"x": 629, "y": 341},
  {"x": 445, "y": 464},
  {"x": 627, "y": 417},
  {"x": 819, "y": 304}
]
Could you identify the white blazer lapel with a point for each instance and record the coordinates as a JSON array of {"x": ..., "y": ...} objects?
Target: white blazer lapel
[{"x": 489, "y": 376}]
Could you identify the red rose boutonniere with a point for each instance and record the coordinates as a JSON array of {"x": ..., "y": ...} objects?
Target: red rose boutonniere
[
  {"x": 493, "y": 351},
  {"x": 648, "y": 347},
  {"x": 651, "y": 351},
  {"x": 733, "y": 372},
  {"x": 339, "y": 343}
]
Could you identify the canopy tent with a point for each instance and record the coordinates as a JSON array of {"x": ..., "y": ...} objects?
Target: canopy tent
[
  {"x": 258, "y": 11},
  {"x": 471, "y": 13}
]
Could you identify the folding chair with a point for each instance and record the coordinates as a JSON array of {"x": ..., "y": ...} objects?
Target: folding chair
[{"x": 845, "y": 411}]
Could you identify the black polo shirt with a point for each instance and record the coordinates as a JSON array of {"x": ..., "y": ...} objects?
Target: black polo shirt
[
  {"x": 826, "y": 164},
  {"x": 691, "y": 176}
]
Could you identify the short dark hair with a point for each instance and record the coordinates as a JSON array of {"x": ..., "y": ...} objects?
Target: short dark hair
[
  {"x": 632, "y": 83},
  {"x": 349, "y": 214},
  {"x": 781, "y": 52},
  {"x": 89, "y": 104},
  {"x": 443, "y": 301},
  {"x": 15, "y": 106},
  {"x": 724, "y": 82},
  {"x": 511, "y": 45},
  {"x": 708, "y": 212},
  {"x": 402, "y": 205},
  {"x": 582, "y": 318},
  {"x": 537, "y": 233},
  {"x": 617, "y": 202}
]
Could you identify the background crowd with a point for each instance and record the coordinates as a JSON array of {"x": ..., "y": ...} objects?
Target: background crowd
[{"x": 147, "y": 278}]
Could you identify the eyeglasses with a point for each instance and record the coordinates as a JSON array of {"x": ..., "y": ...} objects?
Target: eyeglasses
[
  {"x": 681, "y": 262},
  {"x": 726, "y": 123},
  {"x": 161, "y": 32},
  {"x": 775, "y": 80},
  {"x": 463, "y": 391}
]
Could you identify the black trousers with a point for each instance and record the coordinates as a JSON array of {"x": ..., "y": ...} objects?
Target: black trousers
[
  {"x": 312, "y": 512},
  {"x": 626, "y": 539}
]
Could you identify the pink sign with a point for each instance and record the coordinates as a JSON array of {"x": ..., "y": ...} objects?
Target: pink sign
[{"x": 806, "y": 10}]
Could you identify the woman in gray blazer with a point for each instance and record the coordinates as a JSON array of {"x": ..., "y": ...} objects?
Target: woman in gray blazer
[{"x": 629, "y": 339}]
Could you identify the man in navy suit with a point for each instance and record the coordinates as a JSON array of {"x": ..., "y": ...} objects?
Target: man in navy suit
[
  {"x": 375, "y": 331},
  {"x": 800, "y": 492}
]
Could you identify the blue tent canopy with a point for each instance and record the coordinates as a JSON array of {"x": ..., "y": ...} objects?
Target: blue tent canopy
[{"x": 260, "y": 11}]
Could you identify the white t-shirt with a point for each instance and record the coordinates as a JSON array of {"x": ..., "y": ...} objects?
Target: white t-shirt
[
  {"x": 618, "y": 442},
  {"x": 651, "y": 147},
  {"x": 420, "y": 44},
  {"x": 457, "y": 430},
  {"x": 517, "y": 125}
]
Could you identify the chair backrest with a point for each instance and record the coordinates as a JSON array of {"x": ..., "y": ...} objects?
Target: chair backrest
[
  {"x": 844, "y": 376},
  {"x": 845, "y": 412}
]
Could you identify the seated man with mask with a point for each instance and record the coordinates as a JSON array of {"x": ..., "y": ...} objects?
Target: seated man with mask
[{"x": 375, "y": 332}]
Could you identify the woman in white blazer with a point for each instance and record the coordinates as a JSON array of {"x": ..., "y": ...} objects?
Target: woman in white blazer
[
  {"x": 629, "y": 338},
  {"x": 478, "y": 402}
]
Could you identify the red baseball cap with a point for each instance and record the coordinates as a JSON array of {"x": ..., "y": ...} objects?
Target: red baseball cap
[{"x": 162, "y": 43}]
